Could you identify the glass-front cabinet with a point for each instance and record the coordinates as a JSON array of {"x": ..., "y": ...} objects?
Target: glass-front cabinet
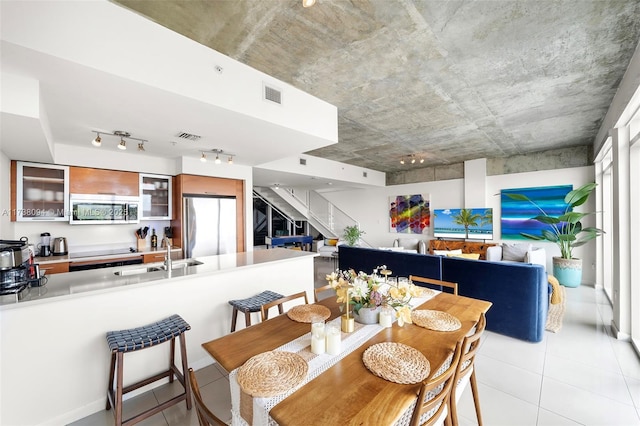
[
  {"x": 156, "y": 197},
  {"x": 42, "y": 192}
]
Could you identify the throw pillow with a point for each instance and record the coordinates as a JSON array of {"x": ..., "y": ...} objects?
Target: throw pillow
[
  {"x": 515, "y": 252},
  {"x": 446, "y": 252},
  {"x": 474, "y": 256},
  {"x": 332, "y": 241}
]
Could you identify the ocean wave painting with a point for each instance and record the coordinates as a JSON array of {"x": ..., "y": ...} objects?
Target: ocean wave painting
[{"x": 516, "y": 216}]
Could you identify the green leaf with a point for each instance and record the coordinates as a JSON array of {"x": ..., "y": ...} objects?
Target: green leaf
[
  {"x": 572, "y": 217},
  {"x": 550, "y": 236},
  {"x": 518, "y": 197},
  {"x": 549, "y": 220},
  {"x": 580, "y": 195},
  {"x": 532, "y": 237}
]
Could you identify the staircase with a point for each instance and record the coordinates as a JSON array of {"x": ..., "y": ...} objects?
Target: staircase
[{"x": 310, "y": 206}]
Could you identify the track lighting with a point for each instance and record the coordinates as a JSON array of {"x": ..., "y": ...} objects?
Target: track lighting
[
  {"x": 97, "y": 142},
  {"x": 276, "y": 186},
  {"x": 308, "y": 3},
  {"x": 219, "y": 153},
  {"x": 411, "y": 159}
]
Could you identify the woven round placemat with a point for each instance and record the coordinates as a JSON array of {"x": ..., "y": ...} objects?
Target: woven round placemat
[
  {"x": 435, "y": 320},
  {"x": 271, "y": 373},
  {"x": 309, "y": 313},
  {"x": 396, "y": 362}
]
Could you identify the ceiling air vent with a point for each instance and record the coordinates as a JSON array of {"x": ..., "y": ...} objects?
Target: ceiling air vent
[
  {"x": 272, "y": 94},
  {"x": 188, "y": 136},
  {"x": 303, "y": 161}
]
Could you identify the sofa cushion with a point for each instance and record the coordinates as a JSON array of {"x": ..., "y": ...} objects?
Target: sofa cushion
[
  {"x": 446, "y": 252},
  {"x": 474, "y": 256},
  {"x": 515, "y": 252}
]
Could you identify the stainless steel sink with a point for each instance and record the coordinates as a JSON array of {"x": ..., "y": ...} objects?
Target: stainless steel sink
[
  {"x": 184, "y": 263},
  {"x": 175, "y": 265}
]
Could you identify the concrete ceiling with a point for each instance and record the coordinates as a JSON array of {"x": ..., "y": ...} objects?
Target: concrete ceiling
[{"x": 446, "y": 81}]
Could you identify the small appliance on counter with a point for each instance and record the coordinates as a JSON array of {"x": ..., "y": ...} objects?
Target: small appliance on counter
[
  {"x": 45, "y": 245},
  {"x": 59, "y": 246},
  {"x": 17, "y": 270}
]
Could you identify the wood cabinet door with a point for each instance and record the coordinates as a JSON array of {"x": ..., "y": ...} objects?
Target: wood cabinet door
[{"x": 85, "y": 180}]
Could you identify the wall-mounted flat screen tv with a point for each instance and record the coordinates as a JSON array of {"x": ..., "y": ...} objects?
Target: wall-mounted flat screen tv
[{"x": 470, "y": 224}]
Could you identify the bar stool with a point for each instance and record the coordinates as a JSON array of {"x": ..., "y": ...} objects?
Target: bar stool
[
  {"x": 134, "y": 339},
  {"x": 250, "y": 304}
]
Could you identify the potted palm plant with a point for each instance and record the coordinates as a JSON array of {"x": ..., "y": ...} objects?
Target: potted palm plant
[
  {"x": 352, "y": 234},
  {"x": 567, "y": 232}
]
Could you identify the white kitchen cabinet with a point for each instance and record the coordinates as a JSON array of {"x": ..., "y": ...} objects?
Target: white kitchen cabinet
[
  {"x": 155, "y": 193},
  {"x": 41, "y": 192}
]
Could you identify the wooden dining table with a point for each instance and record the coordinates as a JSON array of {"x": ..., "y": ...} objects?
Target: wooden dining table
[{"x": 347, "y": 392}]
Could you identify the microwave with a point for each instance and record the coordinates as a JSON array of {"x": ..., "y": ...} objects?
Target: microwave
[{"x": 103, "y": 209}]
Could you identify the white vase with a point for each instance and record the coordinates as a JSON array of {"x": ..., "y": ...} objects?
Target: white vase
[{"x": 367, "y": 315}]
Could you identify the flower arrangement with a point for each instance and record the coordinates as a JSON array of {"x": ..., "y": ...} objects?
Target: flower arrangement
[{"x": 369, "y": 291}]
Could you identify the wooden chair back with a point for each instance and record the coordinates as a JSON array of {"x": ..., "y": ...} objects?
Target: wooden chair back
[
  {"x": 205, "y": 416},
  {"x": 438, "y": 403},
  {"x": 264, "y": 309},
  {"x": 470, "y": 345},
  {"x": 434, "y": 282},
  {"x": 319, "y": 290}
]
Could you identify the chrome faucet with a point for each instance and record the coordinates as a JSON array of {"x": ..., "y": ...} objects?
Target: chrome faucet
[{"x": 167, "y": 257}]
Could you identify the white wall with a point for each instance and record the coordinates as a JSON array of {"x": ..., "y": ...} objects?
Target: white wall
[
  {"x": 370, "y": 207},
  {"x": 6, "y": 226}
]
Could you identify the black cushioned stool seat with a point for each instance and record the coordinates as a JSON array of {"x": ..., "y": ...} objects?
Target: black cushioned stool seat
[
  {"x": 134, "y": 339},
  {"x": 251, "y": 304}
]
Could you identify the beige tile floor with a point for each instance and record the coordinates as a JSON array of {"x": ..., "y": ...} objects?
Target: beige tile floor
[{"x": 578, "y": 376}]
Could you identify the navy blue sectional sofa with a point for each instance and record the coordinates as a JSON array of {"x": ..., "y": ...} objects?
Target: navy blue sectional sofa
[{"x": 519, "y": 291}]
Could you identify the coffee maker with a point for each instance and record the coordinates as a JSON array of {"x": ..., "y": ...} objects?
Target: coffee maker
[
  {"x": 16, "y": 268},
  {"x": 45, "y": 245}
]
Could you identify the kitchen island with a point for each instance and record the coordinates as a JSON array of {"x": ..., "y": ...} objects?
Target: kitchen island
[{"x": 55, "y": 358}]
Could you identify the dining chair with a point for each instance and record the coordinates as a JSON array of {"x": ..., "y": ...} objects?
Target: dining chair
[
  {"x": 319, "y": 290},
  {"x": 432, "y": 406},
  {"x": 264, "y": 309},
  {"x": 205, "y": 416},
  {"x": 434, "y": 282},
  {"x": 466, "y": 372}
]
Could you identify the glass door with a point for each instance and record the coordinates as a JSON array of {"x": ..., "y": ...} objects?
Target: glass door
[
  {"x": 156, "y": 197},
  {"x": 42, "y": 192}
]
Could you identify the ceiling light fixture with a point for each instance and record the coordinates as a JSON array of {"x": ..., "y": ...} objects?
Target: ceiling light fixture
[
  {"x": 97, "y": 142},
  {"x": 421, "y": 160},
  {"x": 218, "y": 153},
  {"x": 402, "y": 161},
  {"x": 413, "y": 159},
  {"x": 276, "y": 186},
  {"x": 308, "y": 3}
]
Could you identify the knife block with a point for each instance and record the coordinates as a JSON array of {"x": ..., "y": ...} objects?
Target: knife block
[{"x": 141, "y": 244}]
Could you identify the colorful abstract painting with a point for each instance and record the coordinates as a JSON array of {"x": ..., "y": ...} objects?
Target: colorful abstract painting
[
  {"x": 409, "y": 214},
  {"x": 516, "y": 216}
]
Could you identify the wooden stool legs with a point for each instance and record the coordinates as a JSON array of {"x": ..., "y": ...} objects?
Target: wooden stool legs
[{"x": 116, "y": 371}]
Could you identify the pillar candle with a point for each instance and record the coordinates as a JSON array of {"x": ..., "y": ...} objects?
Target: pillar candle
[
  {"x": 318, "y": 344},
  {"x": 333, "y": 338},
  {"x": 386, "y": 318}
]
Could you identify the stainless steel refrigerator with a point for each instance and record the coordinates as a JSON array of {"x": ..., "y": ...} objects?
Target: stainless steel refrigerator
[{"x": 209, "y": 225}]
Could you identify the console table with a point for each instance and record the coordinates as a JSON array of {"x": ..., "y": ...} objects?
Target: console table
[
  {"x": 304, "y": 240},
  {"x": 465, "y": 246}
]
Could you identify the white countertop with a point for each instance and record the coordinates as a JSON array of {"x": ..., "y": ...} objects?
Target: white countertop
[{"x": 72, "y": 284}]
